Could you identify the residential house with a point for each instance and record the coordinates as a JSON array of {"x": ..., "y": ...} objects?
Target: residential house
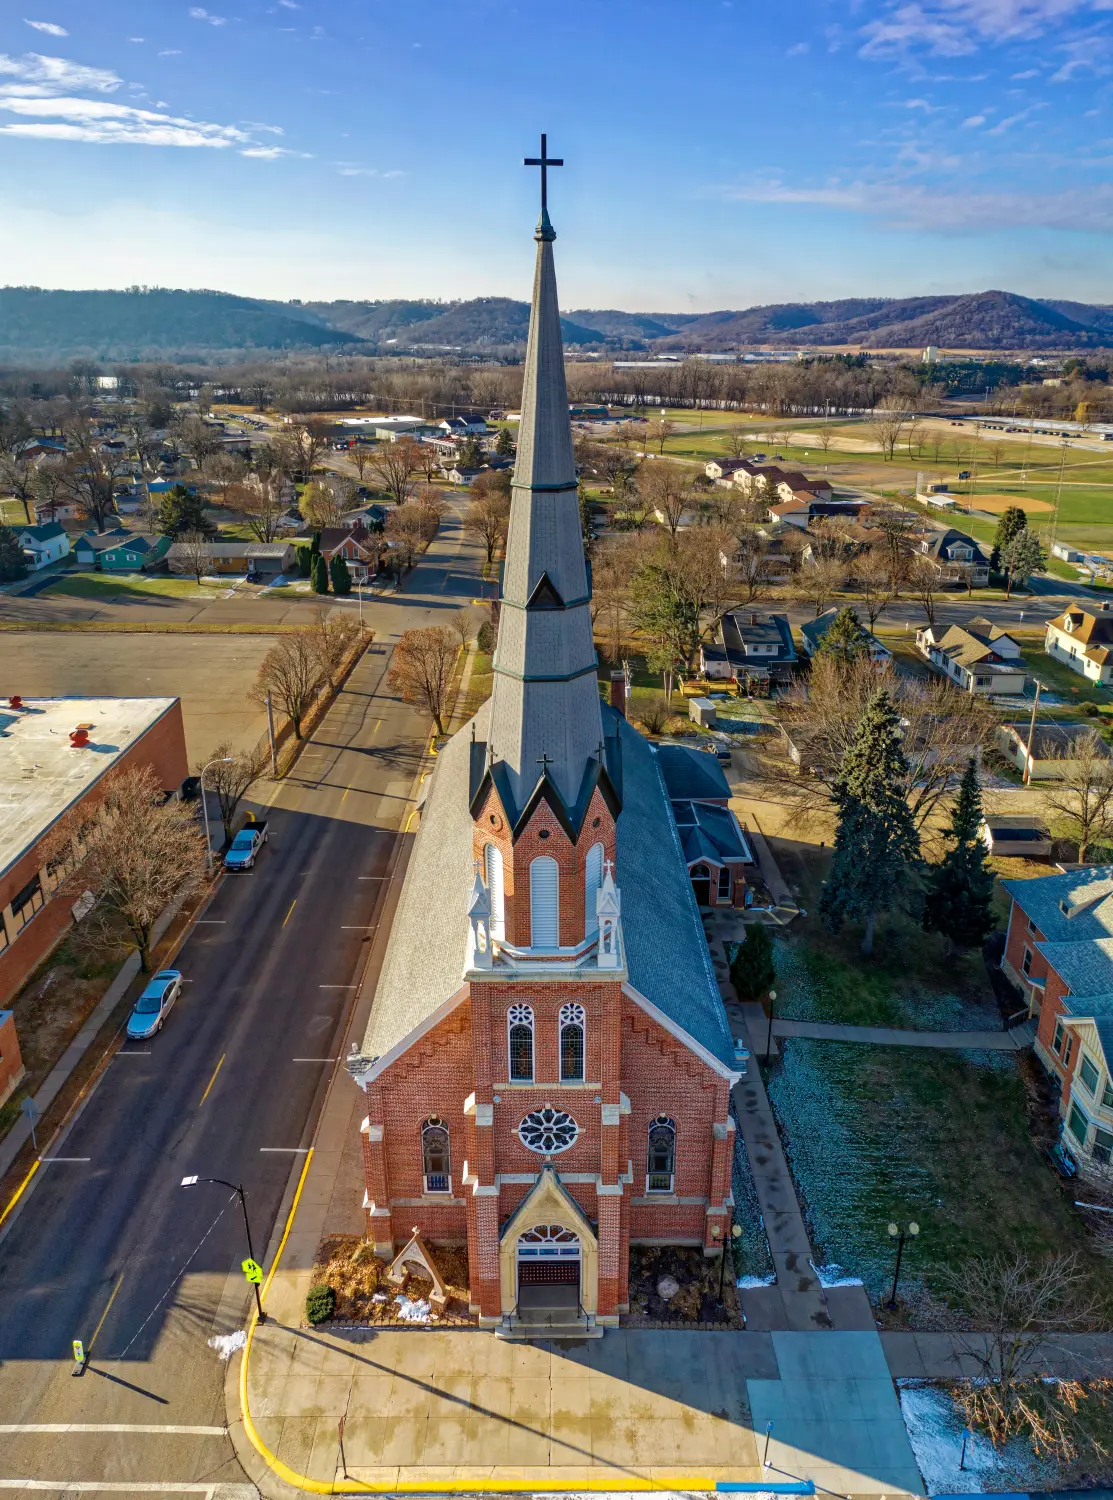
[
  {"x": 971, "y": 663},
  {"x": 54, "y": 510},
  {"x": 793, "y": 483},
  {"x": 1059, "y": 952},
  {"x": 1050, "y": 757},
  {"x": 791, "y": 513},
  {"x": 359, "y": 546},
  {"x": 813, "y": 631},
  {"x": 235, "y": 557},
  {"x": 1082, "y": 639},
  {"x": 752, "y": 647},
  {"x": 460, "y": 474},
  {"x": 134, "y": 554},
  {"x": 716, "y": 850},
  {"x": 464, "y": 424},
  {"x": 43, "y": 544},
  {"x": 957, "y": 557},
  {"x": 1016, "y": 836},
  {"x": 723, "y": 470},
  {"x": 88, "y": 548}
]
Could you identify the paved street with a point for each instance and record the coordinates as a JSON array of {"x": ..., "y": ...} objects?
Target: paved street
[{"x": 108, "y": 1247}]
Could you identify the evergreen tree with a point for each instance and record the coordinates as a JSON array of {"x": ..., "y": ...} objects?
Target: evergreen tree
[
  {"x": 1013, "y": 520},
  {"x": 844, "y": 639},
  {"x": 13, "y": 564},
  {"x": 504, "y": 443},
  {"x": 959, "y": 897},
  {"x": 183, "y": 511},
  {"x": 877, "y": 846},
  {"x": 751, "y": 969},
  {"x": 1023, "y": 557},
  {"x": 320, "y": 575},
  {"x": 341, "y": 578},
  {"x": 471, "y": 453},
  {"x": 305, "y": 561}
]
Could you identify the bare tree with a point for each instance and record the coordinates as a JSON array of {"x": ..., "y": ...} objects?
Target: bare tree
[
  {"x": 326, "y": 501},
  {"x": 874, "y": 576},
  {"x": 941, "y": 729},
  {"x": 914, "y": 438},
  {"x": 50, "y": 486},
  {"x": 486, "y": 520},
  {"x": 1015, "y": 1303},
  {"x": 141, "y": 852},
  {"x": 997, "y": 453},
  {"x": 463, "y": 625},
  {"x": 306, "y": 442},
  {"x": 665, "y": 489},
  {"x": 259, "y": 500},
  {"x": 291, "y": 672},
  {"x": 197, "y": 438},
  {"x": 226, "y": 472},
  {"x": 700, "y": 560},
  {"x": 923, "y": 585},
  {"x": 192, "y": 555},
  {"x": 886, "y": 425},
  {"x": 824, "y": 436},
  {"x": 659, "y": 432},
  {"x": 333, "y": 636},
  {"x": 1083, "y": 796},
  {"x": 393, "y": 466},
  {"x": 421, "y": 669},
  {"x": 751, "y": 564},
  {"x": 821, "y": 578},
  {"x": 896, "y": 526},
  {"x": 360, "y": 457},
  {"x": 17, "y": 478},
  {"x": 232, "y": 777},
  {"x": 735, "y": 443},
  {"x": 93, "y": 474}
]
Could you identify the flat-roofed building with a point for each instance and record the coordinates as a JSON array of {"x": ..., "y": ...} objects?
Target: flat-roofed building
[{"x": 55, "y": 754}]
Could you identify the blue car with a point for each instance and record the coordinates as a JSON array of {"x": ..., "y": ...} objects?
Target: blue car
[{"x": 153, "y": 1005}]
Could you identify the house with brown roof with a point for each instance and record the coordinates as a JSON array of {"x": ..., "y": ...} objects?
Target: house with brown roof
[
  {"x": 360, "y": 549},
  {"x": 1082, "y": 639},
  {"x": 971, "y": 661}
]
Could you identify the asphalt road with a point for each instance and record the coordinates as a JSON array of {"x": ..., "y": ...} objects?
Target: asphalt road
[{"x": 109, "y": 1247}]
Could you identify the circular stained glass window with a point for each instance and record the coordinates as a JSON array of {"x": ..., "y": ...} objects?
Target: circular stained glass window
[{"x": 548, "y": 1131}]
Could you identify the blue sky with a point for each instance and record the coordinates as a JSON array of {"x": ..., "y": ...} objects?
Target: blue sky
[{"x": 720, "y": 152}]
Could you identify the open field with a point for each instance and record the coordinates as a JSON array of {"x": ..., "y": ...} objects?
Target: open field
[
  {"x": 998, "y": 503},
  {"x": 210, "y": 673},
  {"x": 103, "y": 586}
]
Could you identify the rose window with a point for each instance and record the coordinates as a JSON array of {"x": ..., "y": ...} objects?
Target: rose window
[{"x": 548, "y": 1131}]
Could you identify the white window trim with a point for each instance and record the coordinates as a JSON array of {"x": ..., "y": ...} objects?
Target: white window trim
[{"x": 521, "y": 1015}]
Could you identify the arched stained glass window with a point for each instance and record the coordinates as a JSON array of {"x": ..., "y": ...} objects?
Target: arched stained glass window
[
  {"x": 661, "y": 1158},
  {"x": 519, "y": 1021},
  {"x": 436, "y": 1163},
  {"x": 572, "y": 1021}
]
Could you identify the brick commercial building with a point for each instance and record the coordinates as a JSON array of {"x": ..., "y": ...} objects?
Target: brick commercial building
[
  {"x": 547, "y": 1066},
  {"x": 1059, "y": 950},
  {"x": 55, "y": 755}
]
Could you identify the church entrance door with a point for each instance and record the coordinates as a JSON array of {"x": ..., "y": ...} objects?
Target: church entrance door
[
  {"x": 548, "y": 1273},
  {"x": 701, "y": 884}
]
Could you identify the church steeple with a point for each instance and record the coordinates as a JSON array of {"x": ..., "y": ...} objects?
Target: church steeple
[{"x": 545, "y": 715}]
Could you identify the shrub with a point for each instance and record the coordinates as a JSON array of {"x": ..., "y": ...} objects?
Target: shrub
[
  {"x": 320, "y": 1302},
  {"x": 1091, "y": 710},
  {"x": 485, "y": 640},
  {"x": 751, "y": 968},
  {"x": 655, "y": 714}
]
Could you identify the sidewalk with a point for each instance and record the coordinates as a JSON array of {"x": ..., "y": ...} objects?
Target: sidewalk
[
  {"x": 1016, "y": 1039},
  {"x": 944, "y": 1355}
]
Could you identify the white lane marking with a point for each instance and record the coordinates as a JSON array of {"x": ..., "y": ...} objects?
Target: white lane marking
[
  {"x": 371, "y": 928},
  {"x": 44, "y": 1159},
  {"x": 112, "y": 1427},
  {"x": 337, "y": 986},
  {"x": 286, "y": 1150},
  {"x": 131, "y": 1052},
  {"x": 314, "y": 1059},
  {"x": 371, "y": 877},
  {"x": 211, "y": 922},
  {"x": 92, "y": 1486}
]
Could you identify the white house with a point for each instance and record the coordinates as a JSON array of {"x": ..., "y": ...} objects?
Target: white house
[
  {"x": 44, "y": 544},
  {"x": 1082, "y": 640},
  {"x": 971, "y": 661}
]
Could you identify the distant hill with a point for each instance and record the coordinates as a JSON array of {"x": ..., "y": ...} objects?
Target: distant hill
[
  {"x": 156, "y": 323},
  {"x": 38, "y": 326}
]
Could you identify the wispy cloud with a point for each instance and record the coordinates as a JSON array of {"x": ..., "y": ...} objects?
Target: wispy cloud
[
  {"x": 50, "y": 27},
  {"x": 198, "y": 13},
  {"x": 171, "y": 52},
  {"x": 973, "y": 121},
  {"x": 910, "y": 206},
  {"x": 797, "y": 49},
  {"x": 272, "y": 153},
  {"x": 955, "y": 28},
  {"x": 42, "y": 75},
  {"x": 352, "y": 169}
]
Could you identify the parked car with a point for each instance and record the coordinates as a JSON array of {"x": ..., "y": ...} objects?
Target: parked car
[
  {"x": 153, "y": 1005},
  {"x": 245, "y": 846}
]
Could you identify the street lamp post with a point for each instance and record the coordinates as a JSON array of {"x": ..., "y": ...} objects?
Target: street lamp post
[
  {"x": 900, "y": 1235},
  {"x": 221, "y": 760},
  {"x": 236, "y": 1188},
  {"x": 769, "y": 1033}
]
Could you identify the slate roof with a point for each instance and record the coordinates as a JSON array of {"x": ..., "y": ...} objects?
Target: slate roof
[
  {"x": 692, "y": 773},
  {"x": 1085, "y": 966},
  {"x": 666, "y": 952},
  {"x": 44, "y": 533},
  {"x": 1040, "y": 898},
  {"x": 708, "y": 831},
  {"x": 938, "y": 545},
  {"x": 100, "y": 541}
]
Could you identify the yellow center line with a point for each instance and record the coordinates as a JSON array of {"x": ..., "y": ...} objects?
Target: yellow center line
[
  {"x": 104, "y": 1314},
  {"x": 290, "y": 913},
  {"x": 212, "y": 1080}
]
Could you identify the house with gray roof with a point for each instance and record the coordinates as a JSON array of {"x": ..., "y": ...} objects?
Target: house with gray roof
[{"x": 44, "y": 544}]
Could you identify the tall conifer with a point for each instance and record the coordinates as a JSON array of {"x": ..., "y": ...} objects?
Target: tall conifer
[{"x": 959, "y": 900}]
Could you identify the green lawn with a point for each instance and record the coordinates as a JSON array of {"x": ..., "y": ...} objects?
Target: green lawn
[
  {"x": 1060, "y": 680},
  {"x": 130, "y": 586},
  {"x": 12, "y": 513}
]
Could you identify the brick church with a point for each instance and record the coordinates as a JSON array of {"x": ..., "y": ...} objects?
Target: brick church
[{"x": 547, "y": 1067}]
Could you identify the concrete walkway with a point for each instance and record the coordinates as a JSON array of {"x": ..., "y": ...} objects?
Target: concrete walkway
[
  {"x": 1016, "y": 1039},
  {"x": 945, "y": 1355}
]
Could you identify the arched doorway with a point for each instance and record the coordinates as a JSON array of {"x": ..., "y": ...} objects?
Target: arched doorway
[
  {"x": 701, "y": 884},
  {"x": 549, "y": 1257}
]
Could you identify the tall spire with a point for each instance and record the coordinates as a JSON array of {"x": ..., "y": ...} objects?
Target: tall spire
[{"x": 545, "y": 715}]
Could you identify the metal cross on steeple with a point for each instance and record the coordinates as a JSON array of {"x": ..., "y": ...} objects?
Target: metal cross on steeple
[
  {"x": 544, "y": 161},
  {"x": 544, "y": 761}
]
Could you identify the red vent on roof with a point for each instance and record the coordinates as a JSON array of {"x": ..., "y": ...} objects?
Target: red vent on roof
[
  {"x": 79, "y": 738},
  {"x": 15, "y": 701}
]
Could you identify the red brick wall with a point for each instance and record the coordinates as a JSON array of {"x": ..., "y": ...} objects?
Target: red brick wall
[
  {"x": 11, "y": 1063},
  {"x": 1019, "y": 938},
  {"x": 163, "y": 748},
  {"x": 1053, "y": 1007}
]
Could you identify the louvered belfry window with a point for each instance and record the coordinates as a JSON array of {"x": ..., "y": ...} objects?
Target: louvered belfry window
[{"x": 544, "y": 899}]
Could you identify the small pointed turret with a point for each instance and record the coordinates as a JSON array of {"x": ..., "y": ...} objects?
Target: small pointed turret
[{"x": 545, "y": 715}]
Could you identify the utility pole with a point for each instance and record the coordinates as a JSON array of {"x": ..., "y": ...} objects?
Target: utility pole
[
  {"x": 1031, "y": 734},
  {"x": 270, "y": 734}
]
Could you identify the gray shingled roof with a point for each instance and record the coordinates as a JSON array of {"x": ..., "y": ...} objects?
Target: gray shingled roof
[
  {"x": 1084, "y": 966},
  {"x": 689, "y": 772},
  {"x": 1040, "y": 898},
  {"x": 666, "y": 951}
]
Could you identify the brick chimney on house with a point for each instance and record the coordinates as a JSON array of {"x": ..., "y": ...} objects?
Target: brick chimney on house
[{"x": 618, "y": 691}]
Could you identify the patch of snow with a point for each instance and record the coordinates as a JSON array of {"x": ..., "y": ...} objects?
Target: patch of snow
[
  {"x": 935, "y": 1431},
  {"x": 413, "y": 1311},
  {"x": 379, "y": 1297},
  {"x": 832, "y": 1275},
  {"x": 748, "y": 1283},
  {"x": 226, "y": 1344}
]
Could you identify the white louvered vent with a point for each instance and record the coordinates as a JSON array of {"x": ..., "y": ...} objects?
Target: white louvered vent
[
  {"x": 544, "y": 896},
  {"x": 593, "y": 879},
  {"x": 493, "y": 861}
]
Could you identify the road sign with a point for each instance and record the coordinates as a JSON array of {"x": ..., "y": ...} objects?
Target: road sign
[
  {"x": 253, "y": 1271},
  {"x": 78, "y": 1352},
  {"x": 30, "y": 1108}
]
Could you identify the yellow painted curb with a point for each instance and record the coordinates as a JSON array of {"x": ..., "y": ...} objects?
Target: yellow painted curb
[
  {"x": 632, "y": 1484},
  {"x": 18, "y": 1194}
]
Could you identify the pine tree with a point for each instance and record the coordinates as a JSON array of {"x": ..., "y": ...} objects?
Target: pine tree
[
  {"x": 877, "y": 846},
  {"x": 1013, "y": 521},
  {"x": 341, "y": 578},
  {"x": 471, "y": 453},
  {"x": 306, "y": 556},
  {"x": 320, "y": 575},
  {"x": 504, "y": 443},
  {"x": 960, "y": 889},
  {"x": 182, "y": 511},
  {"x": 1023, "y": 557},
  {"x": 751, "y": 969},
  {"x": 13, "y": 564},
  {"x": 844, "y": 638}
]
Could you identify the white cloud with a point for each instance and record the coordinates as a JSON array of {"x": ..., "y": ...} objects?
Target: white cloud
[
  {"x": 797, "y": 49},
  {"x": 104, "y": 123},
  {"x": 50, "y": 27},
  {"x": 973, "y": 121},
  {"x": 272, "y": 153},
  {"x": 198, "y": 13},
  {"x": 289, "y": 4},
  {"x": 1028, "y": 73},
  {"x": 171, "y": 52},
  {"x": 137, "y": 38},
  {"x": 909, "y": 206},
  {"x": 40, "y": 75},
  {"x": 955, "y": 28}
]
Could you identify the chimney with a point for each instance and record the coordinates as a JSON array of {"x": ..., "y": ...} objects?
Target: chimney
[
  {"x": 79, "y": 738},
  {"x": 753, "y": 617},
  {"x": 15, "y": 701},
  {"x": 618, "y": 691}
]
